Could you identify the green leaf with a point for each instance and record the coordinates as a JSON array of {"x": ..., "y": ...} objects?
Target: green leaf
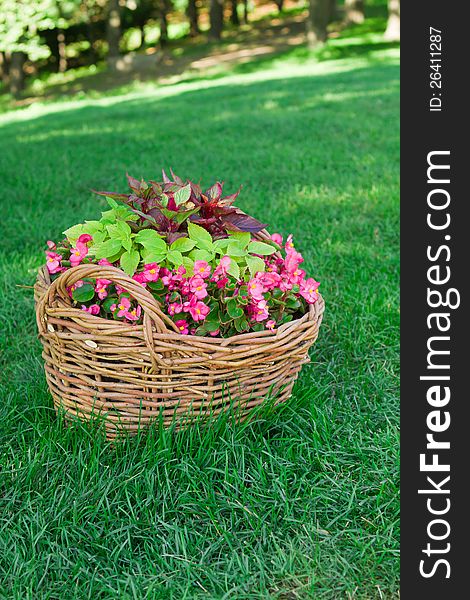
[
  {"x": 84, "y": 293},
  {"x": 149, "y": 238},
  {"x": 292, "y": 303},
  {"x": 183, "y": 244},
  {"x": 106, "y": 249},
  {"x": 175, "y": 257},
  {"x": 153, "y": 256},
  {"x": 243, "y": 238},
  {"x": 202, "y": 237},
  {"x": 73, "y": 233},
  {"x": 220, "y": 246},
  {"x": 189, "y": 266},
  {"x": 233, "y": 309},
  {"x": 261, "y": 248},
  {"x": 129, "y": 261},
  {"x": 241, "y": 324},
  {"x": 202, "y": 255},
  {"x": 236, "y": 249},
  {"x": 182, "y": 195},
  {"x": 255, "y": 264},
  {"x": 156, "y": 286},
  {"x": 120, "y": 230},
  {"x": 234, "y": 270},
  {"x": 110, "y": 300}
]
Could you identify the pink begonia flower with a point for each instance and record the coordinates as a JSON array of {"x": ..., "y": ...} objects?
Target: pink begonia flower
[
  {"x": 202, "y": 268},
  {"x": 182, "y": 325},
  {"x": 84, "y": 238},
  {"x": 78, "y": 254},
  {"x": 198, "y": 310},
  {"x": 134, "y": 314},
  {"x": 151, "y": 272},
  {"x": 259, "y": 311},
  {"x": 192, "y": 331},
  {"x": 198, "y": 287},
  {"x": 255, "y": 289},
  {"x": 113, "y": 307},
  {"x": 222, "y": 282},
  {"x": 74, "y": 286},
  {"x": 175, "y": 308},
  {"x": 166, "y": 276},
  {"x": 94, "y": 309},
  {"x": 180, "y": 273},
  {"x": 289, "y": 242},
  {"x": 140, "y": 278},
  {"x": 285, "y": 284},
  {"x": 297, "y": 276},
  {"x": 271, "y": 324},
  {"x": 268, "y": 280},
  {"x": 120, "y": 290},
  {"x": 221, "y": 268},
  {"x": 105, "y": 262},
  {"x": 277, "y": 238},
  {"x": 214, "y": 333},
  {"x": 124, "y": 305},
  {"x": 51, "y": 245},
  {"x": 292, "y": 260},
  {"x": 100, "y": 288},
  {"x": 308, "y": 290},
  {"x": 53, "y": 262}
]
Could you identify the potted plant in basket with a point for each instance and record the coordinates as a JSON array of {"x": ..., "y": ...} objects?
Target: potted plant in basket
[{"x": 173, "y": 301}]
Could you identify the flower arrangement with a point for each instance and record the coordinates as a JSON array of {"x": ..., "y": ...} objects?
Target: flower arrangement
[{"x": 195, "y": 252}]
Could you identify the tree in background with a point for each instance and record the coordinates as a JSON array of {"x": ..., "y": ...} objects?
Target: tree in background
[
  {"x": 192, "y": 12},
  {"x": 392, "y": 33},
  {"x": 113, "y": 31},
  {"x": 234, "y": 12},
  {"x": 353, "y": 11},
  {"x": 317, "y": 21},
  {"x": 216, "y": 15}
]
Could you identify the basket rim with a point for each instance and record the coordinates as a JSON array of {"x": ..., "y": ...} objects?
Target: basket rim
[{"x": 313, "y": 315}]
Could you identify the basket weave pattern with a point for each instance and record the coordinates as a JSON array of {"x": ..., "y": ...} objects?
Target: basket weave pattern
[{"x": 130, "y": 373}]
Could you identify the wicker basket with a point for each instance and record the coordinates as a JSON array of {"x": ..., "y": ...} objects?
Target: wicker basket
[{"x": 131, "y": 374}]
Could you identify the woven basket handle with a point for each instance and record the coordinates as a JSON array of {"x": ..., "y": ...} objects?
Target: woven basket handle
[{"x": 150, "y": 306}]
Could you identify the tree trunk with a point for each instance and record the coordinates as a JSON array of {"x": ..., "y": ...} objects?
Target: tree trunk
[
  {"x": 216, "y": 14},
  {"x": 332, "y": 11},
  {"x": 16, "y": 73},
  {"x": 317, "y": 22},
  {"x": 113, "y": 29},
  {"x": 392, "y": 33},
  {"x": 234, "y": 13},
  {"x": 164, "y": 10},
  {"x": 61, "y": 47},
  {"x": 4, "y": 60},
  {"x": 354, "y": 11},
  {"x": 193, "y": 16},
  {"x": 245, "y": 12},
  {"x": 279, "y": 4},
  {"x": 142, "y": 35}
]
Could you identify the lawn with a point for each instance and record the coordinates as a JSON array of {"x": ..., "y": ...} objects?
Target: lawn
[{"x": 303, "y": 502}]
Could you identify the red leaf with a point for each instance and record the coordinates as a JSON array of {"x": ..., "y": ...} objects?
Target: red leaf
[
  {"x": 243, "y": 222},
  {"x": 134, "y": 184},
  {"x": 166, "y": 179},
  {"x": 215, "y": 191}
]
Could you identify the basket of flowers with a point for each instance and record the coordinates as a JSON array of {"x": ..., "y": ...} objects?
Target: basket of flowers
[{"x": 174, "y": 304}]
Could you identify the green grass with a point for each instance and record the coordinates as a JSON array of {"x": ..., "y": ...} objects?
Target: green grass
[{"x": 302, "y": 503}]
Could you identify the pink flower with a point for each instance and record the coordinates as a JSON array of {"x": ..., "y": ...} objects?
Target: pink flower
[
  {"x": 222, "y": 282},
  {"x": 151, "y": 272},
  {"x": 271, "y": 324},
  {"x": 259, "y": 311},
  {"x": 277, "y": 238},
  {"x": 255, "y": 289},
  {"x": 182, "y": 325},
  {"x": 198, "y": 287},
  {"x": 123, "y": 306},
  {"x": 202, "y": 268},
  {"x": 308, "y": 290},
  {"x": 78, "y": 254},
  {"x": 134, "y": 314},
  {"x": 292, "y": 260},
  {"x": 289, "y": 242},
  {"x": 51, "y": 245},
  {"x": 120, "y": 290},
  {"x": 53, "y": 262},
  {"x": 179, "y": 274},
  {"x": 297, "y": 276},
  {"x": 214, "y": 333},
  {"x": 94, "y": 309},
  {"x": 174, "y": 308},
  {"x": 105, "y": 262},
  {"x": 140, "y": 278},
  {"x": 74, "y": 286},
  {"x": 198, "y": 310},
  {"x": 221, "y": 268},
  {"x": 113, "y": 307},
  {"x": 84, "y": 238},
  {"x": 268, "y": 280},
  {"x": 100, "y": 288}
]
